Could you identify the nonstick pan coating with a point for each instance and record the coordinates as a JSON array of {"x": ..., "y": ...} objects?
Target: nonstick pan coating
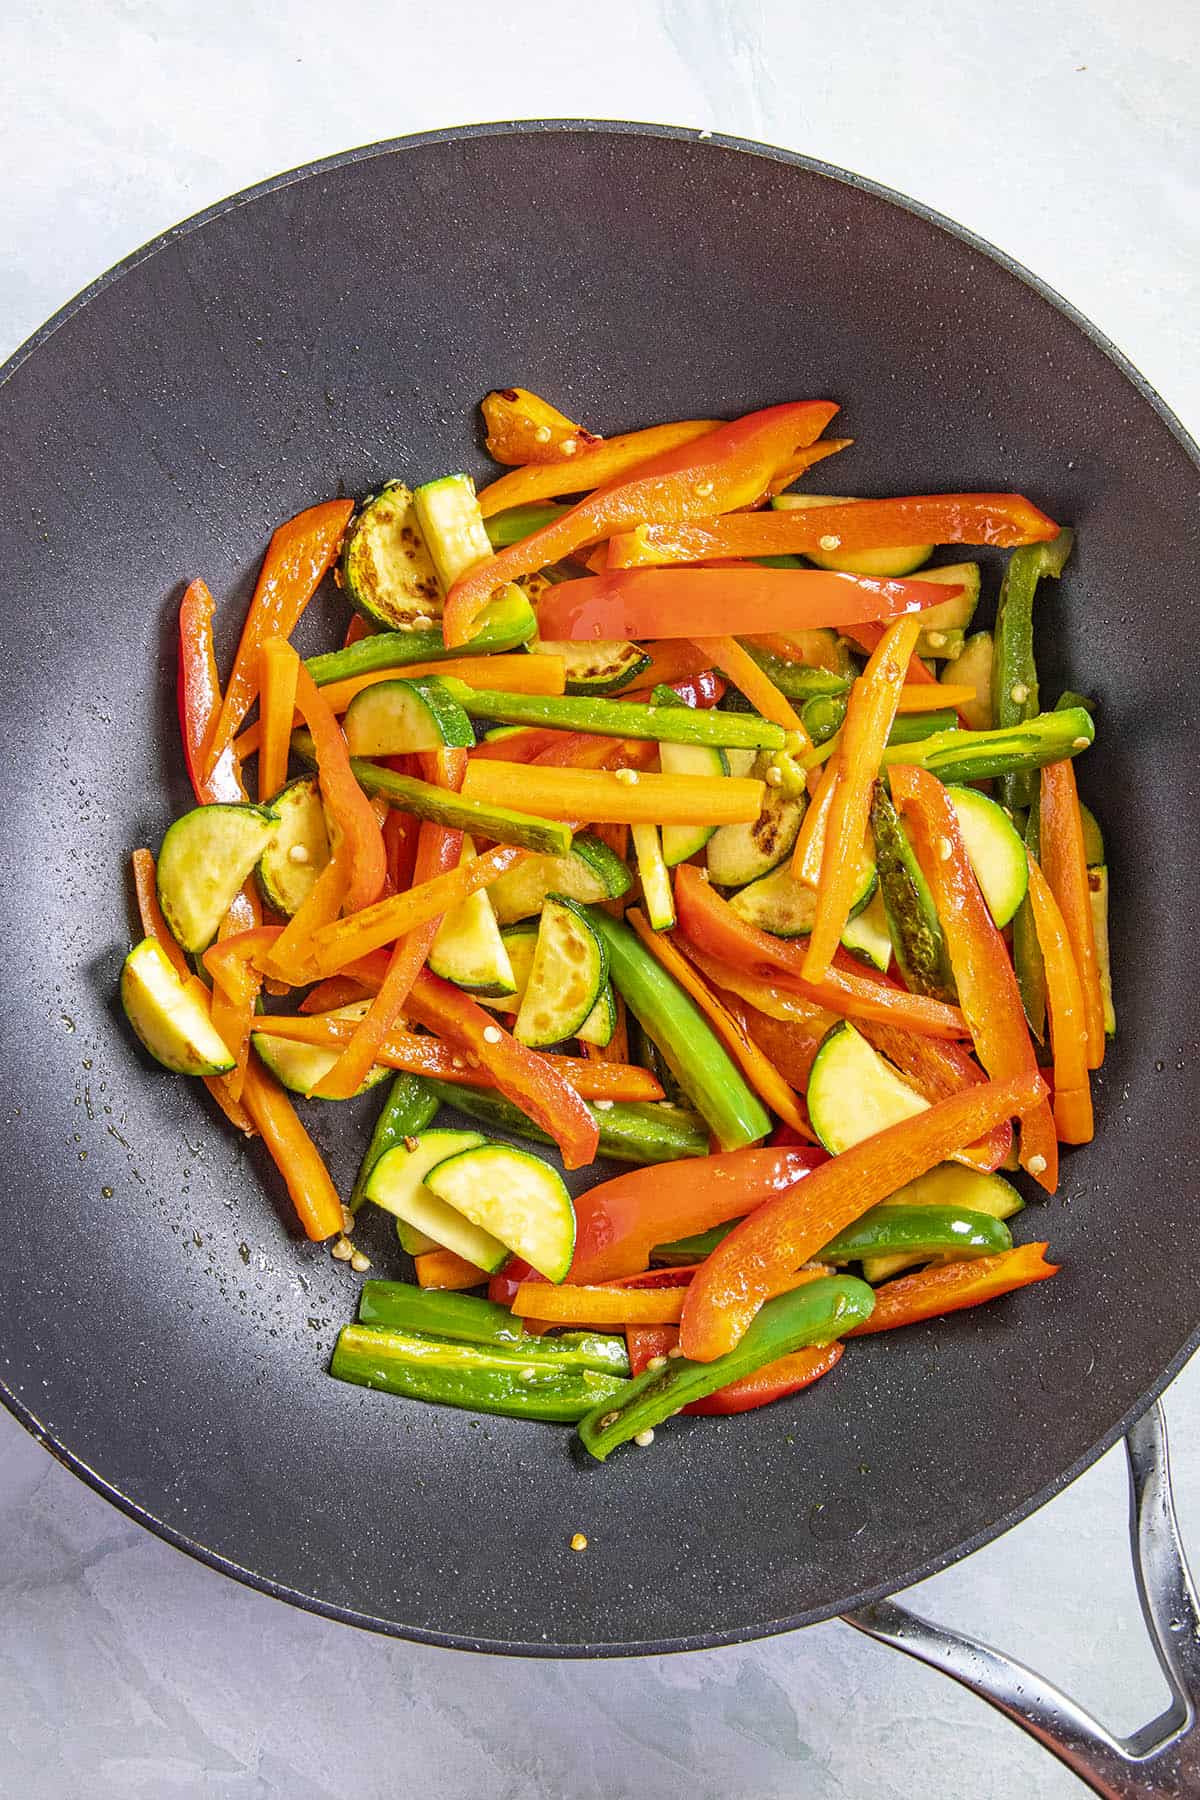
[{"x": 161, "y": 1326}]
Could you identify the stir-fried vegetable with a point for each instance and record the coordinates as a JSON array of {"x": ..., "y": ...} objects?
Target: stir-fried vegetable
[{"x": 592, "y": 873}]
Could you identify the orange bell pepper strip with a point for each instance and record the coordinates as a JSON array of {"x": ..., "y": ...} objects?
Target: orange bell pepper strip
[
  {"x": 1002, "y": 519},
  {"x": 619, "y": 1222},
  {"x": 278, "y": 668},
  {"x": 236, "y": 986},
  {"x": 523, "y": 1076},
  {"x": 983, "y": 972},
  {"x": 710, "y": 923},
  {"x": 444, "y": 1269},
  {"x": 524, "y": 428},
  {"x": 354, "y": 821},
  {"x": 155, "y": 926},
  {"x": 333, "y": 947},
  {"x": 791, "y": 1044},
  {"x": 696, "y": 603},
  {"x": 760, "y": 1072},
  {"x": 338, "y": 990},
  {"x": 1064, "y": 864},
  {"x": 602, "y": 797},
  {"x": 297, "y": 558},
  {"x": 199, "y": 699},
  {"x": 936, "y": 1068},
  {"x": 728, "y": 467},
  {"x": 949, "y": 1287},
  {"x": 578, "y": 1305},
  {"x": 286, "y": 958},
  {"x": 870, "y": 713},
  {"x": 293, "y": 1152},
  {"x": 726, "y": 654},
  {"x": 1068, "y": 1020},
  {"x": 438, "y": 853},
  {"x": 786, "y": 1231},
  {"x": 611, "y": 459}
]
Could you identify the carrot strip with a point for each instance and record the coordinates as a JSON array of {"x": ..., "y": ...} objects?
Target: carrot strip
[
  {"x": 931, "y": 696},
  {"x": 293, "y": 1152},
  {"x": 287, "y": 957},
  {"x": 278, "y": 666},
  {"x": 300, "y": 552},
  {"x": 868, "y": 634},
  {"x": 1064, "y": 864},
  {"x": 602, "y": 798},
  {"x": 1068, "y": 1016},
  {"x": 949, "y": 1287},
  {"x": 814, "y": 827},
  {"x": 763, "y": 1077},
  {"x": 726, "y": 654},
  {"x": 870, "y": 712}
]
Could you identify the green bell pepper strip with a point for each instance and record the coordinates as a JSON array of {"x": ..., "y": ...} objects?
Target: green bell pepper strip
[
  {"x": 481, "y": 1378},
  {"x": 631, "y": 1131},
  {"x": 408, "y": 1109},
  {"x": 823, "y": 717},
  {"x": 795, "y": 679},
  {"x": 816, "y": 1313},
  {"x": 703, "y": 1068},
  {"x": 465, "y": 1318},
  {"x": 619, "y": 718},
  {"x": 1014, "y": 668},
  {"x": 444, "y": 807},
  {"x": 913, "y": 924},
  {"x": 962, "y": 756},
  {"x": 684, "y": 1251},
  {"x": 889, "y": 1230},
  {"x": 508, "y": 623},
  {"x": 505, "y": 528},
  {"x": 1070, "y": 698},
  {"x": 1028, "y": 961}
]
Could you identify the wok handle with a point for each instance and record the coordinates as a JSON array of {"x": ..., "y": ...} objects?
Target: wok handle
[{"x": 1161, "y": 1761}]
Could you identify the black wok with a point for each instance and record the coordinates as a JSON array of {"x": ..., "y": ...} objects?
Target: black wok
[{"x": 162, "y": 1328}]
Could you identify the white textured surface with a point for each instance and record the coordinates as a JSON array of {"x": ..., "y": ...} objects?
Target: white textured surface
[{"x": 1064, "y": 131}]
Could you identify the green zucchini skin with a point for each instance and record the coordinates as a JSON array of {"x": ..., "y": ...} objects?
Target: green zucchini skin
[
  {"x": 706, "y": 1073},
  {"x": 386, "y": 571},
  {"x": 640, "y": 1132},
  {"x": 506, "y": 625},
  {"x": 1014, "y": 666},
  {"x": 286, "y": 884},
  {"x": 395, "y": 717},
  {"x": 916, "y": 933},
  {"x": 795, "y": 679},
  {"x": 481, "y": 1378},
  {"x": 596, "y": 668},
  {"x": 566, "y": 977},
  {"x": 205, "y": 856}
]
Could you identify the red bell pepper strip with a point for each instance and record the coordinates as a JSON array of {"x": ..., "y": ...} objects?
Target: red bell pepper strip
[
  {"x": 401, "y": 832},
  {"x": 524, "y": 428},
  {"x": 518, "y": 746},
  {"x": 784, "y": 1232},
  {"x": 619, "y": 1222},
  {"x": 949, "y": 1287},
  {"x": 704, "y": 689},
  {"x": 727, "y": 468},
  {"x": 710, "y": 923},
  {"x": 696, "y": 603},
  {"x": 1002, "y": 519},
  {"x": 293, "y": 1152},
  {"x": 610, "y": 460},
  {"x": 983, "y": 972},
  {"x": 1068, "y": 1019},
  {"x": 870, "y": 713},
  {"x": 297, "y": 558},
  {"x": 937, "y": 1068},
  {"x": 199, "y": 700},
  {"x": 522, "y": 1075},
  {"x": 357, "y": 628},
  {"x": 361, "y": 841},
  {"x": 1064, "y": 864}
]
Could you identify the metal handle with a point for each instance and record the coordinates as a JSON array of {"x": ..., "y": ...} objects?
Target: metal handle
[{"x": 1162, "y": 1760}]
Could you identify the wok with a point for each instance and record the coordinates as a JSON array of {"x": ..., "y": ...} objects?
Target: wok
[{"x": 162, "y": 1327}]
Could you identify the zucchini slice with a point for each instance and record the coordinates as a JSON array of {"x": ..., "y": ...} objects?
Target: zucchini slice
[
  {"x": 867, "y": 935},
  {"x": 956, "y": 613},
  {"x": 679, "y": 842},
  {"x": 299, "y": 1067},
  {"x": 387, "y": 572},
  {"x": 601, "y": 1022},
  {"x": 655, "y": 877},
  {"x": 468, "y": 949},
  {"x": 994, "y": 849},
  {"x": 603, "y": 667},
  {"x": 1093, "y": 837},
  {"x": 1098, "y": 895},
  {"x": 520, "y": 941},
  {"x": 171, "y": 1017},
  {"x": 394, "y": 717},
  {"x": 514, "y": 1197},
  {"x": 785, "y": 907},
  {"x": 298, "y": 849},
  {"x": 738, "y": 854},
  {"x": 205, "y": 857},
  {"x": 590, "y": 873},
  {"x": 398, "y": 1184},
  {"x": 452, "y": 526},
  {"x": 570, "y": 967},
  {"x": 901, "y": 560},
  {"x": 972, "y": 667},
  {"x": 853, "y": 1092}
]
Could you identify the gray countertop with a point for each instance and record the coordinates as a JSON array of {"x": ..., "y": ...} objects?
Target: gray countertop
[{"x": 1065, "y": 132}]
